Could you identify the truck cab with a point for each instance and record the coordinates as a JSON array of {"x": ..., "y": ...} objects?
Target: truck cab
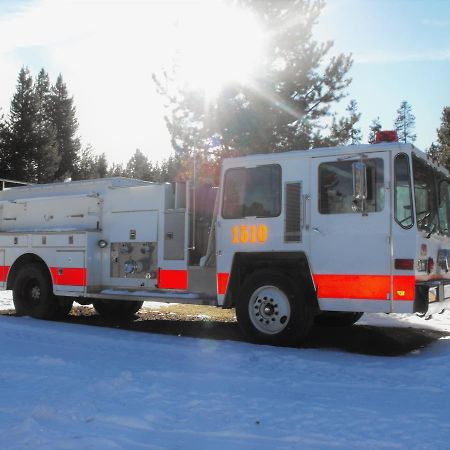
[{"x": 342, "y": 230}]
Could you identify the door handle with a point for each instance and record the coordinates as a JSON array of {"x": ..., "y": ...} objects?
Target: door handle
[
  {"x": 316, "y": 230},
  {"x": 304, "y": 218}
]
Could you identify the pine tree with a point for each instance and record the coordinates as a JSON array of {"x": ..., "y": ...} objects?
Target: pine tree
[
  {"x": 354, "y": 117},
  {"x": 434, "y": 153},
  {"x": 4, "y": 163},
  {"x": 102, "y": 166},
  {"x": 116, "y": 170},
  {"x": 22, "y": 138},
  {"x": 374, "y": 127},
  {"x": 47, "y": 157},
  {"x": 173, "y": 169},
  {"x": 405, "y": 123},
  {"x": 86, "y": 165},
  {"x": 64, "y": 118},
  {"x": 443, "y": 133},
  {"x": 140, "y": 167},
  {"x": 343, "y": 131},
  {"x": 283, "y": 106}
]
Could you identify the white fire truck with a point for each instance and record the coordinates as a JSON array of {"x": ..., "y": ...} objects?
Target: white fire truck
[{"x": 320, "y": 235}]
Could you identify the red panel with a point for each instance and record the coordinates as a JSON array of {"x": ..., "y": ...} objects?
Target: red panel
[
  {"x": 404, "y": 287},
  {"x": 69, "y": 276},
  {"x": 222, "y": 283},
  {"x": 173, "y": 279},
  {"x": 4, "y": 273},
  {"x": 366, "y": 287}
]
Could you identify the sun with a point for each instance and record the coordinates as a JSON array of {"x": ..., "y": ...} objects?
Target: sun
[{"x": 217, "y": 45}]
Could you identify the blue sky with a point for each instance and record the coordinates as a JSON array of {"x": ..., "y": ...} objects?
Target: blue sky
[
  {"x": 107, "y": 50},
  {"x": 401, "y": 51}
]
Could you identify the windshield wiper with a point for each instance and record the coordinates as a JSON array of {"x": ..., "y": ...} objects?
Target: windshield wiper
[
  {"x": 426, "y": 214},
  {"x": 432, "y": 230}
]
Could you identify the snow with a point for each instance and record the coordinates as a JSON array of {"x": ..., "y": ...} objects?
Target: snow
[{"x": 70, "y": 386}]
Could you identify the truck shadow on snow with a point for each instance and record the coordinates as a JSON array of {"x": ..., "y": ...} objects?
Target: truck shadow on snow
[{"x": 359, "y": 339}]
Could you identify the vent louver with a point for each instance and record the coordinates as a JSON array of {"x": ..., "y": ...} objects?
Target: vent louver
[{"x": 292, "y": 225}]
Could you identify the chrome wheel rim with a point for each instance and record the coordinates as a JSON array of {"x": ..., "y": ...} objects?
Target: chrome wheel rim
[{"x": 269, "y": 309}]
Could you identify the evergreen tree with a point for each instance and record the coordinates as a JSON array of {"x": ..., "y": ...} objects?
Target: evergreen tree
[
  {"x": 140, "y": 167},
  {"x": 116, "y": 170},
  {"x": 283, "y": 105},
  {"x": 22, "y": 138},
  {"x": 86, "y": 165},
  {"x": 343, "y": 131},
  {"x": 66, "y": 125},
  {"x": 4, "y": 163},
  {"x": 374, "y": 127},
  {"x": 443, "y": 133},
  {"x": 37, "y": 140},
  {"x": 47, "y": 157},
  {"x": 354, "y": 117},
  {"x": 434, "y": 153},
  {"x": 172, "y": 169},
  {"x": 102, "y": 166},
  {"x": 405, "y": 123}
]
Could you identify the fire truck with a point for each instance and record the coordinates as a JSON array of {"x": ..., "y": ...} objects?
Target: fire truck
[{"x": 288, "y": 239}]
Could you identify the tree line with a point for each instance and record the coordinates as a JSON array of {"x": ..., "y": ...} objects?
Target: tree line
[
  {"x": 39, "y": 141},
  {"x": 288, "y": 106}
]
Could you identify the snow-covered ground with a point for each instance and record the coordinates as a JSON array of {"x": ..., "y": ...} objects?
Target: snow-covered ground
[{"x": 66, "y": 386}]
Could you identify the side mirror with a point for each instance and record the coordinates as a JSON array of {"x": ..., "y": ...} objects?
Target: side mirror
[{"x": 359, "y": 170}]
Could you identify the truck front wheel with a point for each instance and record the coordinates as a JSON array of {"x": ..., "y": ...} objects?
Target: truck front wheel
[
  {"x": 33, "y": 294},
  {"x": 271, "y": 309},
  {"x": 117, "y": 309}
]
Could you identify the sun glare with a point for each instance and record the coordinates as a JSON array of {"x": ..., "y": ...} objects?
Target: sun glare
[{"x": 218, "y": 45}]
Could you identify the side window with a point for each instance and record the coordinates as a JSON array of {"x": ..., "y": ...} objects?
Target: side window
[
  {"x": 403, "y": 192},
  {"x": 254, "y": 191},
  {"x": 336, "y": 187},
  {"x": 444, "y": 206}
]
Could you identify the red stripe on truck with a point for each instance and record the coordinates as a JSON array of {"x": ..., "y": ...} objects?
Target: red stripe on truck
[
  {"x": 370, "y": 287},
  {"x": 173, "y": 279},
  {"x": 69, "y": 276},
  {"x": 365, "y": 287},
  {"x": 222, "y": 283},
  {"x": 4, "y": 273}
]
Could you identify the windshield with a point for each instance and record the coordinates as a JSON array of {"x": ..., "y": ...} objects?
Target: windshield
[{"x": 431, "y": 197}]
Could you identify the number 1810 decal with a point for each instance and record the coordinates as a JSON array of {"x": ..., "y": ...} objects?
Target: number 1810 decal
[{"x": 252, "y": 234}]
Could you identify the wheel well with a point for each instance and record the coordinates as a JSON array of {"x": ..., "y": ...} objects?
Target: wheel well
[
  {"x": 292, "y": 264},
  {"x": 27, "y": 258}
]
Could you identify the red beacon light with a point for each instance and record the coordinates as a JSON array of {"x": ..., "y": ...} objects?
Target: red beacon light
[{"x": 386, "y": 136}]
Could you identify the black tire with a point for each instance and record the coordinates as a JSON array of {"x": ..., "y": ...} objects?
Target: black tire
[
  {"x": 33, "y": 294},
  {"x": 337, "y": 318},
  {"x": 271, "y": 309},
  {"x": 117, "y": 309},
  {"x": 64, "y": 306}
]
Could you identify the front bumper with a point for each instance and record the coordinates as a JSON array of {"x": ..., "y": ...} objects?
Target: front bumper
[{"x": 432, "y": 296}]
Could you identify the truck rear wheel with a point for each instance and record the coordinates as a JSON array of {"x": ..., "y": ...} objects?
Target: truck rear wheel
[
  {"x": 33, "y": 294},
  {"x": 117, "y": 309},
  {"x": 337, "y": 318},
  {"x": 272, "y": 310}
]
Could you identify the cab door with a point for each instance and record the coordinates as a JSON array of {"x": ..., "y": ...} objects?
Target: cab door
[
  {"x": 250, "y": 218},
  {"x": 350, "y": 232}
]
